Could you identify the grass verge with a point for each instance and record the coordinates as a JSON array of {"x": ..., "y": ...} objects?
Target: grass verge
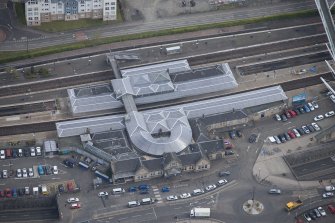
[
  {"x": 6, "y": 57},
  {"x": 20, "y": 12}
]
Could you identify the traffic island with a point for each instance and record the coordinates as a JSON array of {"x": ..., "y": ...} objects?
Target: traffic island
[{"x": 253, "y": 207}]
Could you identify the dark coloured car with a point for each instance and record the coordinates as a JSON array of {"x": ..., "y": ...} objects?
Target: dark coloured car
[
  {"x": 26, "y": 152},
  {"x": 232, "y": 134},
  {"x": 143, "y": 187},
  {"x": 301, "y": 131},
  {"x": 252, "y": 138},
  {"x": 239, "y": 133},
  {"x": 311, "y": 128},
  {"x": 224, "y": 173},
  {"x": 296, "y": 111},
  {"x": 312, "y": 215},
  {"x": 144, "y": 191},
  {"x": 283, "y": 118},
  {"x": 15, "y": 153},
  {"x": 288, "y": 115},
  {"x": 229, "y": 152},
  {"x": 287, "y": 137},
  {"x": 165, "y": 189},
  {"x": 132, "y": 189},
  {"x": 69, "y": 163},
  {"x": 306, "y": 108},
  {"x": 282, "y": 138},
  {"x": 61, "y": 188},
  {"x": 301, "y": 110}
]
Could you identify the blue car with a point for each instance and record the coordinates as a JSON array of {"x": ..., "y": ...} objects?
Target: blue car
[
  {"x": 132, "y": 189},
  {"x": 143, "y": 187},
  {"x": 144, "y": 191},
  {"x": 14, "y": 193},
  {"x": 306, "y": 108},
  {"x": 40, "y": 170},
  {"x": 165, "y": 189}
]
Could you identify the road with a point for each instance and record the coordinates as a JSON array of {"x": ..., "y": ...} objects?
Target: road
[{"x": 139, "y": 27}]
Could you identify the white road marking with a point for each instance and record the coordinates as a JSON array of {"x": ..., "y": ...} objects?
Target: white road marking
[
  {"x": 248, "y": 148},
  {"x": 135, "y": 216}
]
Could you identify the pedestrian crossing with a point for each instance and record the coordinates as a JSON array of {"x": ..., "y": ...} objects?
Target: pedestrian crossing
[
  {"x": 157, "y": 194},
  {"x": 306, "y": 193}
]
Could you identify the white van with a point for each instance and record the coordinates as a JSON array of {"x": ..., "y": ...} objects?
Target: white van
[
  {"x": 38, "y": 151},
  {"x": 118, "y": 190},
  {"x": 132, "y": 204},
  {"x": 147, "y": 201}
]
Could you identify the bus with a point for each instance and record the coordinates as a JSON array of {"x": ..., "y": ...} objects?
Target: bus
[{"x": 101, "y": 175}]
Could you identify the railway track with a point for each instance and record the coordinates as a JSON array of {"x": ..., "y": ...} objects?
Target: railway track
[{"x": 50, "y": 126}]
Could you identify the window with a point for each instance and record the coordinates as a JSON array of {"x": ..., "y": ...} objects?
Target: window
[
  {"x": 30, "y": 18},
  {"x": 112, "y": 8},
  {"x": 112, "y": 3},
  {"x": 82, "y": 2},
  {"x": 107, "y": 3},
  {"x": 30, "y": 9},
  {"x": 30, "y": 14},
  {"x": 36, "y": 18},
  {"x": 107, "y": 8}
]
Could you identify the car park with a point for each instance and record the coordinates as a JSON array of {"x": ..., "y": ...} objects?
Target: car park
[
  {"x": 222, "y": 182},
  {"x": 19, "y": 173},
  {"x": 316, "y": 126},
  {"x": 185, "y": 195},
  {"x": 332, "y": 97},
  {"x": 307, "y": 217},
  {"x": 315, "y": 105},
  {"x": 102, "y": 194},
  {"x": 296, "y": 133},
  {"x": 224, "y": 173},
  {"x": 274, "y": 191},
  {"x": 172, "y": 198},
  {"x": 283, "y": 118},
  {"x": 72, "y": 200},
  {"x": 311, "y": 107},
  {"x": 310, "y": 127},
  {"x": 329, "y": 114},
  {"x": 306, "y": 130},
  {"x": 322, "y": 211},
  {"x": 306, "y": 108},
  {"x": 24, "y": 172},
  {"x": 75, "y": 206},
  {"x": 277, "y": 117},
  {"x": 2, "y": 154},
  {"x": 198, "y": 192},
  {"x": 132, "y": 204}
]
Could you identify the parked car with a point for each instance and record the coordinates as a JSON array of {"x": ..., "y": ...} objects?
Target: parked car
[
  {"x": 283, "y": 118},
  {"x": 322, "y": 211},
  {"x": 32, "y": 151},
  {"x": 312, "y": 215},
  {"x": 306, "y": 108},
  {"x": 310, "y": 127},
  {"x": 14, "y": 152},
  {"x": 274, "y": 191},
  {"x": 198, "y": 192},
  {"x": 287, "y": 137},
  {"x": 38, "y": 151},
  {"x": 55, "y": 170},
  {"x": 165, "y": 189},
  {"x": 72, "y": 200},
  {"x": 296, "y": 133},
  {"x": 8, "y": 153},
  {"x": 75, "y": 206},
  {"x": 132, "y": 189},
  {"x": 315, "y": 126},
  {"x": 317, "y": 213},
  {"x": 224, "y": 173},
  {"x": 232, "y": 134},
  {"x": 306, "y": 130},
  {"x": 291, "y": 134},
  {"x": 327, "y": 195},
  {"x": 252, "y": 138},
  {"x": 277, "y": 117},
  {"x": 228, "y": 152},
  {"x": 20, "y": 152},
  {"x": 26, "y": 152},
  {"x": 301, "y": 131},
  {"x": 277, "y": 139},
  {"x": 210, "y": 187},
  {"x": 297, "y": 111},
  {"x": 172, "y": 198},
  {"x": 144, "y": 187},
  {"x": 4, "y": 174},
  {"x": 288, "y": 115},
  {"x": 2, "y": 154},
  {"x": 102, "y": 194},
  {"x": 48, "y": 170},
  {"x": 30, "y": 172},
  {"x": 239, "y": 133},
  {"x": 222, "y": 182},
  {"x": 307, "y": 217},
  {"x": 24, "y": 172},
  {"x": 329, "y": 114},
  {"x": 18, "y": 173},
  {"x": 69, "y": 163},
  {"x": 185, "y": 195},
  {"x": 311, "y": 107},
  {"x": 292, "y": 113},
  {"x": 301, "y": 110},
  {"x": 331, "y": 208},
  {"x": 318, "y": 118},
  {"x": 40, "y": 169},
  {"x": 332, "y": 97},
  {"x": 282, "y": 138},
  {"x": 315, "y": 105}
]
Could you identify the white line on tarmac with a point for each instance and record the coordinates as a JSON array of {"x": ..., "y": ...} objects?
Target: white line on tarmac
[
  {"x": 148, "y": 213},
  {"x": 121, "y": 219},
  {"x": 135, "y": 216},
  {"x": 287, "y": 123},
  {"x": 248, "y": 148}
]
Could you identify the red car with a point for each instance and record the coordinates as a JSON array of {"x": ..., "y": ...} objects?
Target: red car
[
  {"x": 8, "y": 192},
  {"x": 291, "y": 134},
  {"x": 75, "y": 206},
  {"x": 331, "y": 208},
  {"x": 292, "y": 113},
  {"x": 2, "y": 193}
]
